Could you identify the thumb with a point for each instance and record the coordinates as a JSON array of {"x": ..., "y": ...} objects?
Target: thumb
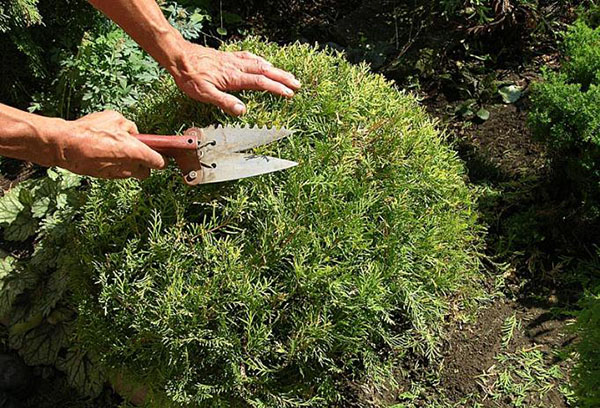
[{"x": 150, "y": 158}]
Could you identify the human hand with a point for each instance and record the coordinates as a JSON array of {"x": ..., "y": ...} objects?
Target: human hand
[
  {"x": 206, "y": 75},
  {"x": 102, "y": 145}
]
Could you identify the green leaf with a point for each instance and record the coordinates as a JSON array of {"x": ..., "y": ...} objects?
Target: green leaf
[
  {"x": 222, "y": 31},
  {"x": 483, "y": 114},
  {"x": 54, "y": 290},
  {"x": 511, "y": 93},
  {"x": 12, "y": 288},
  {"x": 10, "y": 206},
  {"x": 21, "y": 228},
  {"x": 52, "y": 174},
  {"x": 69, "y": 180},
  {"x": 39, "y": 208},
  {"x": 42, "y": 344},
  {"x": 26, "y": 196},
  {"x": 82, "y": 372},
  {"x": 61, "y": 201},
  {"x": 7, "y": 265},
  {"x": 465, "y": 109}
]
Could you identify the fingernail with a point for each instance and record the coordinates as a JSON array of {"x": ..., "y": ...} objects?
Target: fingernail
[
  {"x": 239, "y": 109},
  {"x": 289, "y": 92},
  {"x": 296, "y": 83}
]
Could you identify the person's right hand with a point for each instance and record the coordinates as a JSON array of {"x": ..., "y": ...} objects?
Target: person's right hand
[{"x": 102, "y": 145}]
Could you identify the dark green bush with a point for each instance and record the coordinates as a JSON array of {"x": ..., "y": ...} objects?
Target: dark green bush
[
  {"x": 34, "y": 38},
  {"x": 566, "y": 112},
  {"x": 582, "y": 51},
  {"x": 303, "y": 288},
  {"x": 108, "y": 69}
]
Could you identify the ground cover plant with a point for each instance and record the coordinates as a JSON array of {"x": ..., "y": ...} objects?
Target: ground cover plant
[{"x": 307, "y": 287}]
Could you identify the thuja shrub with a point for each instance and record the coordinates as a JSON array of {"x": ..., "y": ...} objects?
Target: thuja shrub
[
  {"x": 309, "y": 287},
  {"x": 566, "y": 113}
]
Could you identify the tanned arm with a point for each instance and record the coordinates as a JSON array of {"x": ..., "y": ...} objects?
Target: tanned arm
[
  {"x": 102, "y": 144},
  {"x": 203, "y": 73},
  {"x": 99, "y": 145}
]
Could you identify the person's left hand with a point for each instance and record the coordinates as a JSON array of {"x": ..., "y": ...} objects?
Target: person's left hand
[{"x": 206, "y": 75}]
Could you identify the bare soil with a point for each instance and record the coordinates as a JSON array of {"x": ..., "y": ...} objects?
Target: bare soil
[{"x": 471, "y": 350}]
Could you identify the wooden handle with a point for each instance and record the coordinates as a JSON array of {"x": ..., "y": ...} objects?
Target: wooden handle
[{"x": 169, "y": 145}]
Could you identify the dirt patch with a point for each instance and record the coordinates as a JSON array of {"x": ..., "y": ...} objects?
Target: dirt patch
[
  {"x": 472, "y": 350},
  {"x": 502, "y": 146},
  {"x": 506, "y": 142}
]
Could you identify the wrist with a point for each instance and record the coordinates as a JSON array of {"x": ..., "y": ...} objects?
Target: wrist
[
  {"x": 53, "y": 135},
  {"x": 172, "y": 52}
]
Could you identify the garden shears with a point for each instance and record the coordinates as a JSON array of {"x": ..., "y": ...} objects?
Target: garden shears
[{"x": 214, "y": 154}]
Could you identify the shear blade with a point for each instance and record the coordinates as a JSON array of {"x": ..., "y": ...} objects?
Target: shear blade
[
  {"x": 242, "y": 165},
  {"x": 238, "y": 139}
]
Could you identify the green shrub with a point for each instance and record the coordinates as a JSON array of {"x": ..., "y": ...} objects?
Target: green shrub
[
  {"x": 582, "y": 50},
  {"x": 565, "y": 112},
  {"x": 566, "y": 116},
  {"x": 304, "y": 288},
  {"x": 34, "y": 38}
]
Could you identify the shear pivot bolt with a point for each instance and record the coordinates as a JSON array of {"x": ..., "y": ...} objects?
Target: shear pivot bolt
[{"x": 192, "y": 175}]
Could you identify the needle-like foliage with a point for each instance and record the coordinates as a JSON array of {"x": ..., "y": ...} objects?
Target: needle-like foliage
[{"x": 307, "y": 287}]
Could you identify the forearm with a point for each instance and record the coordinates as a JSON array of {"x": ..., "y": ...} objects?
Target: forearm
[
  {"x": 204, "y": 74},
  {"x": 26, "y": 136},
  {"x": 145, "y": 23}
]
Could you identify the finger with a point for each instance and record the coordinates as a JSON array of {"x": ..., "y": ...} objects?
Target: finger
[
  {"x": 246, "y": 55},
  {"x": 228, "y": 103},
  {"x": 146, "y": 157},
  {"x": 278, "y": 75},
  {"x": 259, "y": 83},
  {"x": 130, "y": 127},
  {"x": 112, "y": 173},
  {"x": 130, "y": 170},
  {"x": 110, "y": 115}
]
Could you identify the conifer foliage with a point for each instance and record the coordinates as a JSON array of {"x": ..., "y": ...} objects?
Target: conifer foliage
[{"x": 302, "y": 288}]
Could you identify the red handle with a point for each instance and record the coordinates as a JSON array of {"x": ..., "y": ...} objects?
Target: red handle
[
  {"x": 184, "y": 149},
  {"x": 169, "y": 145}
]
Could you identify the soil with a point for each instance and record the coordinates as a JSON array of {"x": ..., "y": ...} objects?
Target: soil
[{"x": 471, "y": 350}]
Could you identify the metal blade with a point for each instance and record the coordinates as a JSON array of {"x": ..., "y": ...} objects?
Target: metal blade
[
  {"x": 241, "y": 165},
  {"x": 238, "y": 139}
]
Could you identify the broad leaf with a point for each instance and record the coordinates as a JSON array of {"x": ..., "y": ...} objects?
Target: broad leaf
[
  {"x": 7, "y": 265},
  {"x": 42, "y": 344},
  {"x": 10, "y": 206},
  {"x": 483, "y": 114},
  {"x": 511, "y": 93},
  {"x": 39, "y": 208},
  {"x": 21, "y": 228},
  {"x": 82, "y": 372}
]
